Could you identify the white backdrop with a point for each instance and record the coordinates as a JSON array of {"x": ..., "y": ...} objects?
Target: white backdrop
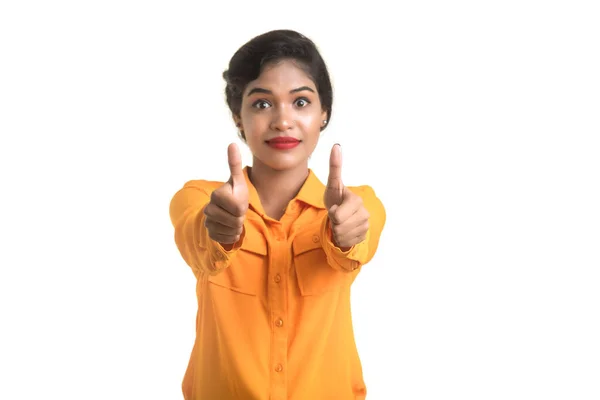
[{"x": 477, "y": 123}]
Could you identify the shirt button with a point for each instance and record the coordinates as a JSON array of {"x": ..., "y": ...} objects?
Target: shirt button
[
  {"x": 315, "y": 239},
  {"x": 279, "y": 322},
  {"x": 277, "y": 278},
  {"x": 279, "y": 368}
]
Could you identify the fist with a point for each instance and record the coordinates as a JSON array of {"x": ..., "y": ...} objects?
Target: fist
[
  {"x": 226, "y": 211},
  {"x": 349, "y": 219}
]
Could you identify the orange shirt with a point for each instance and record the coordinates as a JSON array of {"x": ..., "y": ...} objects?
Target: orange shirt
[{"x": 274, "y": 318}]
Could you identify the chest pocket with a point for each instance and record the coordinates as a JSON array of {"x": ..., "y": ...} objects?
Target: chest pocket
[
  {"x": 247, "y": 273},
  {"x": 315, "y": 275}
]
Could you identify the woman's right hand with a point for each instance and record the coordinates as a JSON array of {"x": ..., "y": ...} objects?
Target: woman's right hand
[{"x": 226, "y": 211}]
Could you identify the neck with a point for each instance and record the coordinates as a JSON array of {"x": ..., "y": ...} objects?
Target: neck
[{"x": 277, "y": 187}]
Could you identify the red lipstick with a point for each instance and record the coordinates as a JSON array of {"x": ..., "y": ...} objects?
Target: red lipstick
[{"x": 283, "y": 143}]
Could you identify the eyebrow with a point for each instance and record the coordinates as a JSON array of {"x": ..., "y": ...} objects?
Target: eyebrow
[{"x": 266, "y": 91}]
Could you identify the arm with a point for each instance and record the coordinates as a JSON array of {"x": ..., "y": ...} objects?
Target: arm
[
  {"x": 199, "y": 251},
  {"x": 354, "y": 257}
]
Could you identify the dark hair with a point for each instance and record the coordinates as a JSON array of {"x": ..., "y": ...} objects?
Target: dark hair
[{"x": 249, "y": 61}]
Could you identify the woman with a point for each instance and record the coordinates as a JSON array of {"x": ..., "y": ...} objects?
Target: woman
[{"x": 275, "y": 251}]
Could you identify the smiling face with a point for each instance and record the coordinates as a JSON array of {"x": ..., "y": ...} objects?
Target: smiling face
[{"x": 281, "y": 116}]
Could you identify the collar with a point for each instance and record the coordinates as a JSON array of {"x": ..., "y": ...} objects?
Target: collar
[{"x": 311, "y": 192}]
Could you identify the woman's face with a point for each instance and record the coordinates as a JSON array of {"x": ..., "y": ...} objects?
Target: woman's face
[{"x": 281, "y": 116}]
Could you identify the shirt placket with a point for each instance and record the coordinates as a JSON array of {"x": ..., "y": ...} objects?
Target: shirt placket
[{"x": 277, "y": 292}]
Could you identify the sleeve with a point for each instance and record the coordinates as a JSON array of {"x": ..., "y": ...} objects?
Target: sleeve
[
  {"x": 361, "y": 253},
  {"x": 198, "y": 250}
]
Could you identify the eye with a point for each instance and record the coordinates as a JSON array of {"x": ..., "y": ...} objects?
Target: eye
[
  {"x": 261, "y": 104},
  {"x": 302, "y": 102}
]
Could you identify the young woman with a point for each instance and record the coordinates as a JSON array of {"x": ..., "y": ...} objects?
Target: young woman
[{"x": 273, "y": 249}]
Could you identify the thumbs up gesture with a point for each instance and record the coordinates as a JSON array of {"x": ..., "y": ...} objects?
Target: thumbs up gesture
[
  {"x": 226, "y": 211},
  {"x": 349, "y": 218}
]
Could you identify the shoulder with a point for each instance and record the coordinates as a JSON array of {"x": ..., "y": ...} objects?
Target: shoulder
[
  {"x": 203, "y": 185},
  {"x": 370, "y": 198},
  {"x": 365, "y": 191},
  {"x": 192, "y": 193}
]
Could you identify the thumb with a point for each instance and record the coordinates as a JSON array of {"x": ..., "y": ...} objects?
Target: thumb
[
  {"x": 335, "y": 167},
  {"x": 335, "y": 186},
  {"x": 235, "y": 166}
]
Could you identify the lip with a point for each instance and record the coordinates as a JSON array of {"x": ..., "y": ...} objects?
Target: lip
[
  {"x": 283, "y": 142},
  {"x": 283, "y": 139}
]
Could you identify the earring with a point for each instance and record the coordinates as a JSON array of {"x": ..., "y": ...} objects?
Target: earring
[{"x": 324, "y": 122}]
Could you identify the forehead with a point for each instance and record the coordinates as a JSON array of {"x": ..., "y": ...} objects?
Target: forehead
[{"x": 282, "y": 75}]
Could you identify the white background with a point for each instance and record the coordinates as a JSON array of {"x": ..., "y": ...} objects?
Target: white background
[{"x": 477, "y": 123}]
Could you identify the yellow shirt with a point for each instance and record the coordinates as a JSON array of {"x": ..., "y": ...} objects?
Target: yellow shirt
[{"x": 274, "y": 318}]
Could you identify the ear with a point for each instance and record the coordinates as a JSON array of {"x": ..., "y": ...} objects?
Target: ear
[
  {"x": 240, "y": 127},
  {"x": 238, "y": 122},
  {"x": 324, "y": 121}
]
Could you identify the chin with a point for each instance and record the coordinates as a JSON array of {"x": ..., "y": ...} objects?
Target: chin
[{"x": 282, "y": 162}]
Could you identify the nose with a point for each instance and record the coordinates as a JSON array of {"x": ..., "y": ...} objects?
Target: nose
[{"x": 283, "y": 119}]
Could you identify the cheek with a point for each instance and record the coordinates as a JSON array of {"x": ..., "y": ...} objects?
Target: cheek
[
  {"x": 311, "y": 124},
  {"x": 252, "y": 123}
]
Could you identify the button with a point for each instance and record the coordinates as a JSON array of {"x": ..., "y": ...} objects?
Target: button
[
  {"x": 278, "y": 368},
  {"x": 277, "y": 278},
  {"x": 315, "y": 239},
  {"x": 279, "y": 322}
]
